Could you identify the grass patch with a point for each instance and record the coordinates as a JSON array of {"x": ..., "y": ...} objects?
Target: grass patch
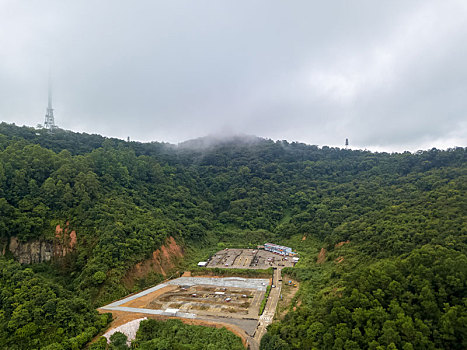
[{"x": 265, "y": 300}]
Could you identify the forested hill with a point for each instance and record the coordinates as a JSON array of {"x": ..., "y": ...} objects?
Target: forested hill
[{"x": 124, "y": 199}]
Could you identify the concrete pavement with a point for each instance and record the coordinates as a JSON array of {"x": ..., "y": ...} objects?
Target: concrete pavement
[{"x": 270, "y": 309}]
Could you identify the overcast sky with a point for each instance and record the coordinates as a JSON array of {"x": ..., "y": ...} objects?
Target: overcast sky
[{"x": 388, "y": 75}]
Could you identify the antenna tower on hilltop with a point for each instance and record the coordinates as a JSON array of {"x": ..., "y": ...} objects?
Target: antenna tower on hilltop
[
  {"x": 346, "y": 143},
  {"x": 49, "y": 116}
]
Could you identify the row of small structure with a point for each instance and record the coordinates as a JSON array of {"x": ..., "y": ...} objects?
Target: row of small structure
[
  {"x": 279, "y": 249},
  {"x": 270, "y": 247}
]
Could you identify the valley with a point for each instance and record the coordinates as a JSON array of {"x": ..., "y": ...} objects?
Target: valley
[
  {"x": 220, "y": 300},
  {"x": 92, "y": 223}
]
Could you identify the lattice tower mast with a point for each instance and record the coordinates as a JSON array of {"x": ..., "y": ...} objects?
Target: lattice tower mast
[{"x": 49, "y": 116}]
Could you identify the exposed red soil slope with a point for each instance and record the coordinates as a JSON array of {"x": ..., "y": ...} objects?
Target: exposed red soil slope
[
  {"x": 339, "y": 260},
  {"x": 321, "y": 256},
  {"x": 163, "y": 260},
  {"x": 340, "y": 244},
  {"x": 65, "y": 241}
]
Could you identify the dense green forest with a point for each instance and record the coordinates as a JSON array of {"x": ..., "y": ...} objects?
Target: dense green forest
[
  {"x": 37, "y": 312},
  {"x": 172, "y": 334},
  {"x": 402, "y": 284}
]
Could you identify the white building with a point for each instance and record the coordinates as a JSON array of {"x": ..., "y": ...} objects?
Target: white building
[{"x": 279, "y": 249}]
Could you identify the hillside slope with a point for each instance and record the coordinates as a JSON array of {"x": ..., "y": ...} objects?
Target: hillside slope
[{"x": 124, "y": 200}]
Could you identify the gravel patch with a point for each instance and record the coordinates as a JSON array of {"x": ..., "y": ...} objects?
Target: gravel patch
[{"x": 129, "y": 329}]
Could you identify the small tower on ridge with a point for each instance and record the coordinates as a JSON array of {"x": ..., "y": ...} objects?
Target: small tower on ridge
[{"x": 49, "y": 122}]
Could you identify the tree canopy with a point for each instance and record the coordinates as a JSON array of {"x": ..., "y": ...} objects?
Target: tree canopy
[{"x": 124, "y": 199}]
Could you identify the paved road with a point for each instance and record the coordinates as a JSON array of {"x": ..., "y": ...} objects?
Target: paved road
[{"x": 270, "y": 309}]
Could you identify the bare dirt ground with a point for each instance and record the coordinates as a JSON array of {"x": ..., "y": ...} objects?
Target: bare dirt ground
[
  {"x": 163, "y": 261},
  {"x": 146, "y": 299},
  {"x": 122, "y": 317},
  {"x": 340, "y": 244},
  {"x": 225, "y": 298},
  {"x": 288, "y": 292},
  {"x": 321, "y": 256},
  {"x": 339, "y": 259},
  {"x": 203, "y": 300}
]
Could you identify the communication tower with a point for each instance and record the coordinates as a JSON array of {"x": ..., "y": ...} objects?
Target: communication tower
[
  {"x": 49, "y": 122},
  {"x": 346, "y": 143}
]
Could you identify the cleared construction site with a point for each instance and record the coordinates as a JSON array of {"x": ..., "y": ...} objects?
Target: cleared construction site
[
  {"x": 190, "y": 296},
  {"x": 228, "y": 301},
  {"x": 209, "y": 300},
  {"x": 249, "y": 259},
  {"x": 233, "y": 300}
]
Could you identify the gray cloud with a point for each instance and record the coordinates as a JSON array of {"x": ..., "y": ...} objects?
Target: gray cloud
[{"x": 388, "y": 75}]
